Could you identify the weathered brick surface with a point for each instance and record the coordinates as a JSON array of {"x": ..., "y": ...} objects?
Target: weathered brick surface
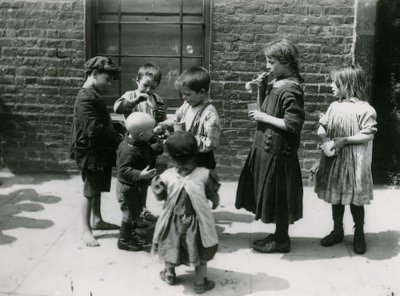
[
  {"x": 42, "y": 53},
  {"x": 323, "y": 31}
]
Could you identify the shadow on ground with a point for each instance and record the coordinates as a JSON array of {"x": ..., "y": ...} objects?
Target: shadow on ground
[
  {"x": 31, "y": 179},
  {"x": 380, "y": 246},
  {"x": 18, "y": 203},
  {"x": 230, "y": 282}
]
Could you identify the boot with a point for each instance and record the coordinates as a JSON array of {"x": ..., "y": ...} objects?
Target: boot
[
  {"x": 337, "y": 234},
  {"x": 359, "y": 244},
  {"x": 125, "y": 241}
]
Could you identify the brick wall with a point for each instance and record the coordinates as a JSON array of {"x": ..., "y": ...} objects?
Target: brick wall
[
  {"x": 41, "y": 58},
  {"x": 323, "y": 31},
  {"x": 42, "y": 53}
]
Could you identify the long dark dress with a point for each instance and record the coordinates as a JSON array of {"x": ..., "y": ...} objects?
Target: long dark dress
[{"x": 270, "y": 184}]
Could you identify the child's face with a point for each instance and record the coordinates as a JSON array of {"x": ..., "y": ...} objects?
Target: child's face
[
  {"x": 193, "y": 98},
  {"x": 147, "y": 133},
  {"x": 336, "y": 90},
  {"x": 146, "y": 84},
  {"x": 277, "y": 69},
  {"x": 101, "y": 81}
]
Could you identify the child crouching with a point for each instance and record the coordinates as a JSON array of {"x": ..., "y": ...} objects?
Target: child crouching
[
  {"x": 136, "y": 159},
  {"x": 185, "y": 231}
]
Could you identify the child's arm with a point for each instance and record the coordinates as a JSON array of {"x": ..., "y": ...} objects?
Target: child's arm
[
  {"x": 292, "y": 107},
  {"x": 211, "y": 189},
  {"x": 209, "y": 139},
  {"x": 353, "y": 140},
  {"x": 128, "y": 173},
  {"x": 367, "y": 122},
  {"x": 128, "y": 101},
  {"x": 98, "y": 133}
]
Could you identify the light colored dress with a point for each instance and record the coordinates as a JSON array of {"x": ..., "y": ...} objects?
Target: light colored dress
[
  {"x": 346, "y": 178},
  {"x": 185, "y": 231}
]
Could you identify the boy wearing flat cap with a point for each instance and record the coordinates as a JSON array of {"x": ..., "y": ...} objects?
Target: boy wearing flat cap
[{"x": 93, "y": 143}]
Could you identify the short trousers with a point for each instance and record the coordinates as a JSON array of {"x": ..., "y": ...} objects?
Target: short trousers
[{"x": 96, "y": 182}]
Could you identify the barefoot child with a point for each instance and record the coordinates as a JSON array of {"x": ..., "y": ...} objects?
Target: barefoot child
[
  {"x": 345, "y": 178},
  {"x": 185, "y": 232},
  {"x": 136, "y": 159},
  {"x": 94, "y": 142}
]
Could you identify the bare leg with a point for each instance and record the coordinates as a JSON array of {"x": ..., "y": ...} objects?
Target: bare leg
[
  {"x": 200, "y": 273},
  {"x": 87, "y": 235},
  {"x": 202, "y": 284},
  {"x": 97, "y": 220}
]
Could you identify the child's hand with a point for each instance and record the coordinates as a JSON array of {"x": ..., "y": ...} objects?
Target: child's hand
[
  {"x": 147, "y": 173},
  {"x": 339, "y": 143},
  {"x": 257, "y": 115},
  {"x": 142, "y": 97},
  {"x": 159, "y": 129}
]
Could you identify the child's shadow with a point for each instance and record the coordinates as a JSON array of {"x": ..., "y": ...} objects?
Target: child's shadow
[
  {"x": 12, "y": 205},
  {"x": 228, "y": 282},
  {"x": 380, "y": 246}
]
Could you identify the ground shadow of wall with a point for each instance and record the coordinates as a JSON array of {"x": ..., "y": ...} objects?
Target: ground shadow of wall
[
  {"x": 15, "y": 204},
  {"x": 33, "y": 142}
]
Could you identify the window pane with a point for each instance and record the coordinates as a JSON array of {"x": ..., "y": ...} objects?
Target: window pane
[
  {"x": 150, "y": 39},
  {"x": 169, "y": 68},
  {"x": 107, "y": 39},
  {"x": 150, "y": 10},
  {"x": 108, "y": 10},
  {"x": 193, "y": 11},
  {"x": 192, "y": 40},
  {"x": 187, "y": 63}
]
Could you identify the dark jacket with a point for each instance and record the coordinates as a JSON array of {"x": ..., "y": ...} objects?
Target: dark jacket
[
  {"x": 132, "y": 158},
  {"x": 93, "y": 138}
]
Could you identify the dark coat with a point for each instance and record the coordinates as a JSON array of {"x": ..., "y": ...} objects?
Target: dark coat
[
  {"x": 93, "y": 138},
  {"x": 270, "y": 184}
]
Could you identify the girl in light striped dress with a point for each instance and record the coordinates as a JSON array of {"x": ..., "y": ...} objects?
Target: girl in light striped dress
[{"x": 345, "y": 178}]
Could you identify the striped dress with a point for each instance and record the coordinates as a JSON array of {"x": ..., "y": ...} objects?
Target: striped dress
[{"x": 346, "y": 178}]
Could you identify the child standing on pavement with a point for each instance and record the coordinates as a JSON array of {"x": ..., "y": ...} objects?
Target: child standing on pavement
[
  {"x": 197, "y": 115},
  {"x": 185, "y": 232},
  {"x": 143, "y": 99},
  {"x": 136, "y": 159},
  {"x": 270, "y": 184},
  {"x": 93, "y": 143},
  {"x": 345, "y": 178}
]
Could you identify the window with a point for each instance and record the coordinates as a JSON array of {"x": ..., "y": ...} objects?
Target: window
[{"x": 174, "y": 34}]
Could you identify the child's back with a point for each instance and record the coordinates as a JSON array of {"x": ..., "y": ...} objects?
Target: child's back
[{"x": 185, "y": 231}]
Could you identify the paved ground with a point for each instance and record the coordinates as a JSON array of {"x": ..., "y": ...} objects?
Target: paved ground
[{"x": 41, "y": 254}]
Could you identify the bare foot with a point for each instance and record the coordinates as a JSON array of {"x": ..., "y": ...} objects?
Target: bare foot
[
  {"x": 102, "y": 225},
  {"x": 89, "y": 239}
]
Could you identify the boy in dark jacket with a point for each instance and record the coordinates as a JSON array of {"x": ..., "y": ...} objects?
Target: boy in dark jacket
[
  {"x": 93, "y": 143},
  {"x": 136, "y": 159}
]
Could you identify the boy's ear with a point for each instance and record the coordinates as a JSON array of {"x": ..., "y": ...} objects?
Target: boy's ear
[{"x": 202, "y": 91}]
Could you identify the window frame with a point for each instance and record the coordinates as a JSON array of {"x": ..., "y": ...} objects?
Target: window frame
[{"x": 92, "y": 21}]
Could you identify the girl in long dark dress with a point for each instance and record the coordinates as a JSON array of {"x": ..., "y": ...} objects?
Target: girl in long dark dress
[{"x": 270, "y": 184}]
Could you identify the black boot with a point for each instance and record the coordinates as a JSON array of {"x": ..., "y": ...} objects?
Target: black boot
[
  {"x": 337, "y": 234},
  {"x": 125, "y": 241},
  {"x": 359, "y": 243}
]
